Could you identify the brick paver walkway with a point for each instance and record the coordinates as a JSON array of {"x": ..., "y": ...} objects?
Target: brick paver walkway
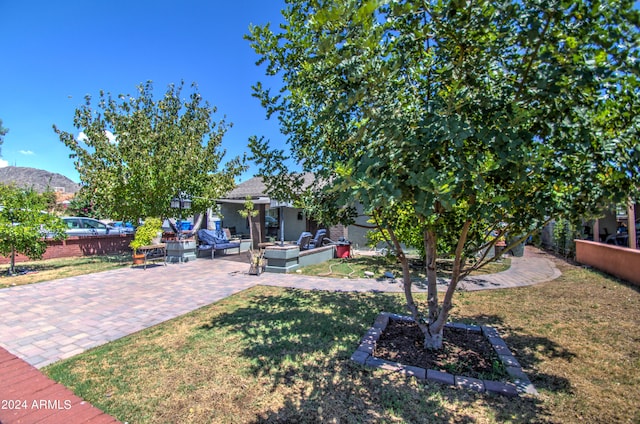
[
  {"x": 28, "y": 397},
  {"x": 45, "y": 322}
]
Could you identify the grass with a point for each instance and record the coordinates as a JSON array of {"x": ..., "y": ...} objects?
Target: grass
[
  {"x": 378, "y": 265},
  {"x": 277, "y": 355},
  {"x": 51, "y": 269}
]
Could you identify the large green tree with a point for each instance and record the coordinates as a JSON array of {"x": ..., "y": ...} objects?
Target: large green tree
[
  {"x": 24, "y": 223},
  {"x": 458, "y": 120},
  {"x": 136, "y": 153}
]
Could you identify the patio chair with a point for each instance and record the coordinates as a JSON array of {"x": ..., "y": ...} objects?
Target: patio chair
[
  {"x": 304, "y": 239},
  {"x": 317, "y": 240}
]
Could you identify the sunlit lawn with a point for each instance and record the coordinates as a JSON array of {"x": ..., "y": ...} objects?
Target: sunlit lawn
[
  {"x": 38, "y": 271},
  {"x": 378, "y": 265},
  {"x": 276, "y": 355}
]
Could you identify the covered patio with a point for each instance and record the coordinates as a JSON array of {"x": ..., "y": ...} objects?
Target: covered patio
[
  {"x": 614, "y": 245},
  {"x": 276, "y": 220},
  {"x": 618, "y": 227}
]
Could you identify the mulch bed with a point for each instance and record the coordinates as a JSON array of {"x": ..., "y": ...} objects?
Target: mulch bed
[{"x": 464, "y": 353}]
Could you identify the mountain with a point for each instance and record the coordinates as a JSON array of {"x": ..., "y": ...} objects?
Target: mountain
[{"x": 39, "y": 179}]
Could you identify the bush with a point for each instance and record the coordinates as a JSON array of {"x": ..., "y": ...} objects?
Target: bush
[
  {"x": 146, "y": 232},
  {"x": 564, "y": 235}
]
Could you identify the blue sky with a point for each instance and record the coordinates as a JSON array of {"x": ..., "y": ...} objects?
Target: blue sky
[{"x": 55, "y": 53}]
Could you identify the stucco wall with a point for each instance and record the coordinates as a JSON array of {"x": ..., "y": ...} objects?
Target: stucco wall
[
  {"x": 292, "y": 225},
  {"x": 358, "y": 235},
  {"x": 621, "y": 262}
]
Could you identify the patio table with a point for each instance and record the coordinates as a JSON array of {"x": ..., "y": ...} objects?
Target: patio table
[{"x": 154, "y": 252}]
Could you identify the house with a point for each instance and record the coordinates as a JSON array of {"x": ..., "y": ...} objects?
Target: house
[
  {"x": 276, "y": 220},
  {"x": 618, "y": 226}
]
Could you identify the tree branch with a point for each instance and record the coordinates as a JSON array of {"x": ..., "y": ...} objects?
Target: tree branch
[{"x": 448, "y": 297}]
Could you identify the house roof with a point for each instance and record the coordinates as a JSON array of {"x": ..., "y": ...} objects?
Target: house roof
[{"x": 255, "y": 188}]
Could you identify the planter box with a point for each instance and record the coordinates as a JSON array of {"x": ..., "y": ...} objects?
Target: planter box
[
  {"x": 288, "y": 258},
  {"x": 317, "y": 255},
  {"x": 282, "y": 259},
  {"x": 181, "y": 251}
]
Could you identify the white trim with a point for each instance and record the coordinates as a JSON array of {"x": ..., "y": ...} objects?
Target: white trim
[{"x": 258, "y": 201}]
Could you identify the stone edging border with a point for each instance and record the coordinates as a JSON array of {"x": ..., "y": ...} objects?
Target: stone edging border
[{"x": 521, "y": 385}]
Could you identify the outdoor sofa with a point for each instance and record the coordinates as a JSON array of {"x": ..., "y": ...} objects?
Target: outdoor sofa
[{"x": 215, "y": 240}]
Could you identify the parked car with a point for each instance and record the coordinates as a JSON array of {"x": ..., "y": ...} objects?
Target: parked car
[{"x": 81, "y": 226}]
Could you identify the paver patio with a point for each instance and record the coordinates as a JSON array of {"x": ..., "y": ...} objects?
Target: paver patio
[{"x": 45, "y": 322}]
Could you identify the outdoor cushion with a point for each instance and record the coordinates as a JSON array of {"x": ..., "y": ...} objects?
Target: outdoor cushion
[
  {"x": 317, "y": 240},
  {"x": 214, "y": 238},
  {"x": 303, "y": 240},
  {"x": 219, "y": 236}
]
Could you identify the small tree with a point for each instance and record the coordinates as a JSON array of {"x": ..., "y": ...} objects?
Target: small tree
[
  {"x": 249, "y": 212},
  {"x": 136, "y": 153},
  {"x": 24, "y": 224},
  {"x": 455, "y": 120}
]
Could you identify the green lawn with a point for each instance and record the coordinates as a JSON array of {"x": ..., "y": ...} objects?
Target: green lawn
[
  {"x": 378, "y": 265},
  {"x": 277, "y": 355},
  {"x": 45, "y": 270}
]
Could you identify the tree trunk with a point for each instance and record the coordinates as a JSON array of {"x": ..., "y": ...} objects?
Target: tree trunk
[
  {"x": 433, "y": 338},
  {"x": 433, "y": 334},
  {"x": 199, "y": 218},
  {"x": 251, "y": 228},
  {"x": 12, "y": 265},
  {"x": 406, "y": 278},
  {"x": 430, "y": 243}
]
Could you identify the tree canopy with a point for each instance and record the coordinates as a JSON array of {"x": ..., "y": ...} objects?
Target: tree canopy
[
  {"x": 24, "y": 223},
  {"x": 81, "y": 205},
  {"x": 134, "y": 154},
  {"x": 460, "y": 120}
]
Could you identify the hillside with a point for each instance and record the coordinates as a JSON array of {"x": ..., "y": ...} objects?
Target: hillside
[{"x": 39, "y": 179}]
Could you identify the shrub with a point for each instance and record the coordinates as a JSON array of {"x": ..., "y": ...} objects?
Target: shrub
[{"x": 146, "y": 232}]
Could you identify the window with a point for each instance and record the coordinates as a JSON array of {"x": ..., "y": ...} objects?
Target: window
[
  {"x": 272, "y": 218},
  {"x": 93, "y": 224},
  {"x": 272, "y": 222},
  {"x": 72, "y": 223}
]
